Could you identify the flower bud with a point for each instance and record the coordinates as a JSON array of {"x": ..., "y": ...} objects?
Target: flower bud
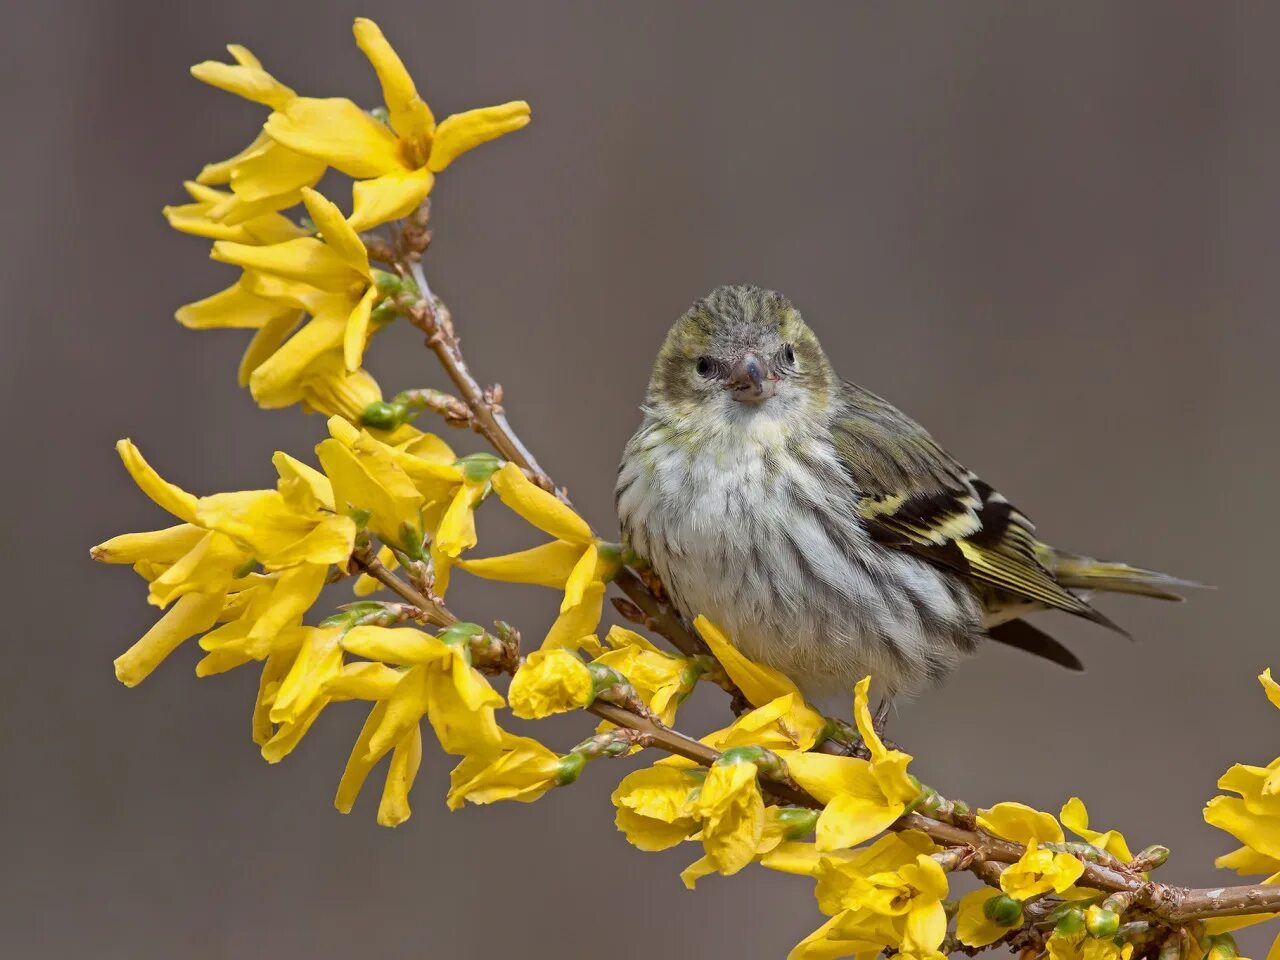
[
  {"x": 381, "y": 415},
  {"x": 1003, "y": 911},
  {"x": 1100, "y": 922},
  {"x": 1222, "y": 946},
  {"x": 478, "y": 467},
  {"x": 797, "y": 822},
  {"x": 1070, "y": 922},
  {"x": 571, "y": 765}
]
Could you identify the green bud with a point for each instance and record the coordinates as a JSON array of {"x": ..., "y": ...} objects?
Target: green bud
[
  {"x": 381, "y": 415},
  {"x": 245, "y": 568},
  {"x": 478, "y": 467},
  {"x": 383, "y": 313},
  {"x": 344, "y": 618},
  {"x": 604, "y": 678},
  {"x": 1003, "y": 911},
  {"x": 797, "y": 822},
  {"x": 571, "y": 765},
  {"x": 1070, "y": 922},
  {"x": 611, "y": 553},
  {"x": 361, "y": 517},
  {"x": 1151, "y": 857},
  {"x": 1222, "y": 946},
  {"x": 411, "y": 541},
  {"x": 388, "y": 284},
  {"x": 1100, "y": 922},
  {"x": 459, "y": 634},
  {"x": 749, "y": 754}
]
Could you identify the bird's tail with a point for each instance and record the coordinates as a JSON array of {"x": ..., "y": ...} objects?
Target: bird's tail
[{"x": 1084, "y": 573}]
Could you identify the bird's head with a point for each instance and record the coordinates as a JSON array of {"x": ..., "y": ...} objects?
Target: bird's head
[{"x": 741, "y": 353}]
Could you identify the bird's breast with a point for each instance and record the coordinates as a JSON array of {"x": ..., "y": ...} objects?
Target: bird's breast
[{"x": 763, "y": 539}]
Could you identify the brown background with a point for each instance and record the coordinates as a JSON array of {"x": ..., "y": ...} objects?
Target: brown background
[{"x": 1047, "y": 233}]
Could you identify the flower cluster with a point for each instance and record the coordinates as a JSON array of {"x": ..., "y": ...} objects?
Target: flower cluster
[
  {"x": 385, "y": 507},
  {"x": 308, "y": 289}
]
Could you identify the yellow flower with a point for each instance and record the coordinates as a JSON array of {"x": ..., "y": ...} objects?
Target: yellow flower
[
  {"x": 524, "y": 770},
  {"x": 258, "y": 620},
  {"x": 550, "y": 682},
  {"x": 1020, "y": 823},
  {"x": 1040, "y": 871},
  {"x": 1086, "y": 948},
  {"x": 973, "y": 927},
  {"x": 292, "y": 524},
  {"x": 914, "y": 892},
  {"x": 661, "y": 680},
  {"x": 330, "y": 278},
  {"x": 369, "y": 482},
  {"x": 574, "y": 561},
  {"x": 1075, "y": 817},
  {"x": 838, "y": 872},
  {"x": 862, "y": 797},
  {"x": 440, "y": 684},
  {"x": 394, "y": 163},
  {"x": 782, "y": 825},
  {"x": 655, "y": 805},
  {"x": 731, "y": 809}
]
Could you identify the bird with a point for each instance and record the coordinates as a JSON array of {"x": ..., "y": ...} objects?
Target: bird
[{"x": 824, "y": 530}]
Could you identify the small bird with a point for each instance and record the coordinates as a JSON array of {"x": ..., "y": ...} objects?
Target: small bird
[{"x": 822, "y": 528}]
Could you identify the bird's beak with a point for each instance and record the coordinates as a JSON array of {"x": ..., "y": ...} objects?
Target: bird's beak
[{"x": 749, "y": 381}]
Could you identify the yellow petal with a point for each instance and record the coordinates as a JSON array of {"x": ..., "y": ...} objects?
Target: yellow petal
[
  {"x": 695, "y": 871},
  {"x": 1245, "y": 862},
  {"x": 1259, "y": 833},
  {"x": 389, "y": 197},
  {"x": 219, "y": 172},
  {"x": 235, "y": 307},
  {"x": 192, "y": 614},
  {"x": 548, "y": 565},
  {"x": 357, "y": 332},
  {"x": 319, "y": 660},
  {"x": 306, "y": 260},
  {"x": 266, "y": 342},
  {"x": 457, "y": 530},
  {"x": 363, "y": 681},
  {"x": 289, "y": 735},
  {"x": 252, "y": 83},
  {"x": 578, "y": 621},
  {"x": 408, "y": 114},
  {"x": 1020, "y": 823},
  {"x": 296, "y": 590},
  {"x": 926, "y": 927},
  {"x": 583, "y": 573},
  {"x": 759, "y": 684},
  {"x": 273, "y": 671},
  {"x": 338, "y": 132},
  {"x": 862, "y": 717},
  {"x": 827, "y": 776},
  {"x": 279, "y": 375},
  {"x": 535, "y": 505},
  {"x": 461, "y": 724},
  {"x": 405, "y": 761},
  {"x": 1270, "y": 687},
  {"x": 335, "y": 230},
  {"x": 523, "y": 771},
  {"x": 848, "y": 821},
  {"x": 464, "y": 131},
  {"x": 360, "y": 763},
  {"x": 158, "y": 546},
  {"x": 972, "y": 926},
  {"x": 402, "y": 645},
  {"x": 165, "y": 495},
  {"x": 267, "y": 179}
]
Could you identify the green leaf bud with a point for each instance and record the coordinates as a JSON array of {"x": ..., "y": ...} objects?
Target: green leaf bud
[{"x": 1003, "y": 910}]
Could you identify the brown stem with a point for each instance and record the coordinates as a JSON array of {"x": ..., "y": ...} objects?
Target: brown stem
[{"x": 434, "y": 613}]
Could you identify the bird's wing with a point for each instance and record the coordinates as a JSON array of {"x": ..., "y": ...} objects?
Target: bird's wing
[{"x": 916, "y": 497}]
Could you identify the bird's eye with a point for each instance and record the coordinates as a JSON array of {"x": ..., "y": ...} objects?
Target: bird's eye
[
  {"x": 704, "y": 366},
  {"x": 788, "y": 354}
]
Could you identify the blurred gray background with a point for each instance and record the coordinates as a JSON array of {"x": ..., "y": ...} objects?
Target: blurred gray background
[{"x": 1048, "y": 233}]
